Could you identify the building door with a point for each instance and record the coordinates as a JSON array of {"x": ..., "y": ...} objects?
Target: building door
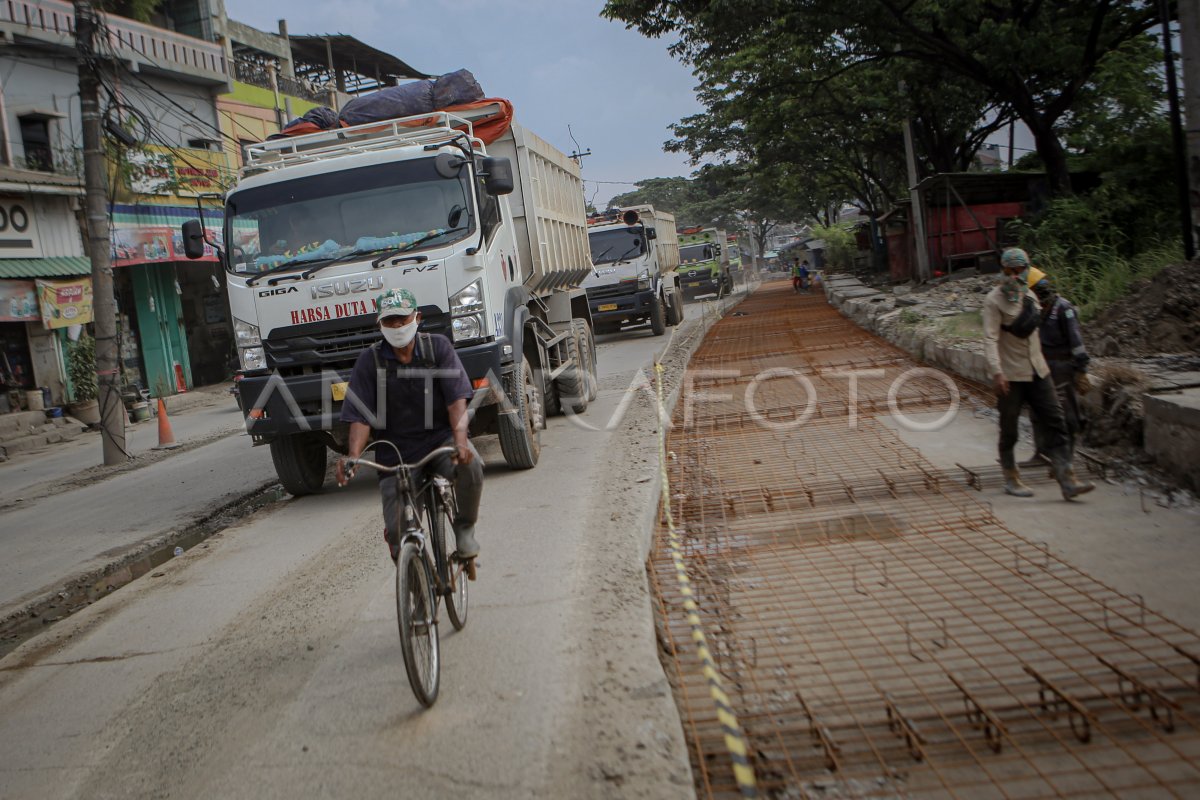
[{"x": 160, "y": 329}]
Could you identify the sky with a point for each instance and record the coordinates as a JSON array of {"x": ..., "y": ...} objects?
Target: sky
[{"x": 558, "y": 61}]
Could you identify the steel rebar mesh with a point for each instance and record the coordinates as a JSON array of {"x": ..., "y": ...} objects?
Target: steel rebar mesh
[{"x": 878, "y": 630}]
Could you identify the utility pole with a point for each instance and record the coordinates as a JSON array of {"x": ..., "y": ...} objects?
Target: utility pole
[
  {"x": 1189, "y": 38},
  {"x": 1181, "y": 164},
  {"x": 918, "y": 205},
  {"x": 112, "y": 410}
]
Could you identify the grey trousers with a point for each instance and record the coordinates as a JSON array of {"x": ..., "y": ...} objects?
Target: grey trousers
[{"x": 468, "y": 490}]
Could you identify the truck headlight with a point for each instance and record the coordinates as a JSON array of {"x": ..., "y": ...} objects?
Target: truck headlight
[
  {"x": 252, "y": 358},
  {"x": 467, "y": 300},
  {"x": 467, "y": 327},
  {"x": 246, "y": 334},
  {"x": 644, "y": 280}
]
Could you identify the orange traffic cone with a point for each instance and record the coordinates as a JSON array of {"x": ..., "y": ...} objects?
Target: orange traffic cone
[{"x": 166, "y": 437}]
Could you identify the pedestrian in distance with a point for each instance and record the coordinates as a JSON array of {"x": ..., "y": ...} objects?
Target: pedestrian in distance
[
  {"x": 796, "y": 275},
  {"x": 1021, "y": 376},
  {"x": 804, "y": 276},
  {"x": 1067, "y": 357},
  {"x": 424, "y": 408}
]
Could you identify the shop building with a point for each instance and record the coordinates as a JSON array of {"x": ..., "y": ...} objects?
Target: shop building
[{"x": 41, "y": 257}]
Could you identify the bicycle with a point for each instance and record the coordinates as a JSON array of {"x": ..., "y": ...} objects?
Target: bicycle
[{"x": 425, "y": 572}]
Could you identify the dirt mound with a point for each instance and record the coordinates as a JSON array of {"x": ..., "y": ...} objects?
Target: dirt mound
[{"x": 1160, "y": 315}]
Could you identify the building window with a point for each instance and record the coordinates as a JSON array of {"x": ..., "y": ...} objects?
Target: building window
[
  {"x": 204, "y": 144},
  {"x": 35, "y": 137}
]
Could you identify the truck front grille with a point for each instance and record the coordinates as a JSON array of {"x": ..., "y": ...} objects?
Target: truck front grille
[{"x": 333, "y": 344}]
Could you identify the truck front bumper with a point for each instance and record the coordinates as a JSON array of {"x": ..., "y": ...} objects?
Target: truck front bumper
[
  {"x": 699, "y": 285},
  {"x": 274, "y": 405},
  {"x": 615, "y": 308}
]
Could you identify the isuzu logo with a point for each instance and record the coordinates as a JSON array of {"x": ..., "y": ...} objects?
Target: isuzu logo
[{"x": 350, "y": 286}]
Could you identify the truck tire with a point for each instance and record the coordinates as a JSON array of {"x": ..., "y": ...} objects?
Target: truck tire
[
  {"x": 572, "y": 385},
  {"x": 658, "y": 321},
  {"x": 584, "y": 332},
  {"x": 300, "y": 461},
  {"x": 520, "y": 430},
  {"x": 675, "y": 309}
]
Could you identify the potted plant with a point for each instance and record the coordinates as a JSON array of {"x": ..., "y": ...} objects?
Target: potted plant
[{"x": 81, "y": 369}]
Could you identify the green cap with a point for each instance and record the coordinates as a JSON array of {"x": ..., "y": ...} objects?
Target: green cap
[{"x": 396, "y": 303}]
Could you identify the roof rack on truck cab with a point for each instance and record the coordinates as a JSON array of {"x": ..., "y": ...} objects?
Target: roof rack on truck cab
[{"x": 434, "y": 128}]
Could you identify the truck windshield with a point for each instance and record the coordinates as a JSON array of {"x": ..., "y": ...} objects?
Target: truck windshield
[
  {"x": 696, "y": 252},
  {"x": 615, "y": 244},
  {"x": 324, "y": 217}
]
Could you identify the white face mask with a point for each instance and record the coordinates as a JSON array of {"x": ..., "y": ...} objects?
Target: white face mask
[{"x": 400, "y": 337}]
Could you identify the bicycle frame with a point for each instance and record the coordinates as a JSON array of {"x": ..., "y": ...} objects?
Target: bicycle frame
[{"x": 410, "y": 528}]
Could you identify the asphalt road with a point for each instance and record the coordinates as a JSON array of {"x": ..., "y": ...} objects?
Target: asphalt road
[{"x": 265, "y": 662}]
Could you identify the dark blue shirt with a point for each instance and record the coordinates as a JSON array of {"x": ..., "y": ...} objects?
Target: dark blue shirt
[{"x": 414, "y": 414}]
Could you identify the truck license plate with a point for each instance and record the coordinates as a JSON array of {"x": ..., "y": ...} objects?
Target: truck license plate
[
  {"x": 339, "y": 390},
  {"x": 607, "y": 307}
]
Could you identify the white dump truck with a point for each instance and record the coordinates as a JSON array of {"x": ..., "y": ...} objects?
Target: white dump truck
[
  {"x": 635, "y": 252},
  {"x": 492, "y": 240}
]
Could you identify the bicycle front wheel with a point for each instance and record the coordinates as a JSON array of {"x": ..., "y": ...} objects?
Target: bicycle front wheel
[
  {"x": 456, "y": 574},
  {"x": 417, "y": 615}
]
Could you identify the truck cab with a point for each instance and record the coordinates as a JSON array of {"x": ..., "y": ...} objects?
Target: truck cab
[
  {"x": 320, "y": 225},
  {"x": 704, "y": 263},
  {"x": 633, "y": 279}
]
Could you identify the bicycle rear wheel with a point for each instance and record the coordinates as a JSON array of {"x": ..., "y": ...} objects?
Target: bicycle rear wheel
[
  {"x": 456, "y": 575},
  {"x": 417, "y": 615}
]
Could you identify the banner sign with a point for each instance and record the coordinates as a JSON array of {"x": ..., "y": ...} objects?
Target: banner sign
[
  {"x": 18, "y": 301},
  {"x": 150, "y": 234},
  {"x": 65, "y": 302}
]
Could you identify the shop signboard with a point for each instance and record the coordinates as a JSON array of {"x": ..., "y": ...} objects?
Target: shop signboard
[
  {"x": 18, "y": 301},
  {"x": 150, "y": 234},
  {"x": 18, "y": 229},
  {"x": 65, "y": 303},
  {"x": 182, "y": 172}
]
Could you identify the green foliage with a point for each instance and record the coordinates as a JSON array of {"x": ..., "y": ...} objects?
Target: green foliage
[
  {"x": 840, "y": 246},
  {"x": 141, "y": 10},
  {"x": 1095, "y": 275},
  {"x": 910, "y": 317},
  {"x": 1031, "y": 60},
  {"x": 81, "y": 368}
]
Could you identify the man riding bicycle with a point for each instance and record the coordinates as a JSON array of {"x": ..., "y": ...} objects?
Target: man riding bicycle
[{"x": 425, "y": 407}]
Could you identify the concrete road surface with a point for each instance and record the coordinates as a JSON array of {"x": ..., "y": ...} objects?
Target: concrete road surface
[{"x": 265, "y": 662}]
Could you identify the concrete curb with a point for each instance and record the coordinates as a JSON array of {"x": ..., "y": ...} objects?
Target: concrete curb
[{"x": 863, "y": 305}]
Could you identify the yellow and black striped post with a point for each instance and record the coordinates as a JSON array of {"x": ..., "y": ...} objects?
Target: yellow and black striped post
[{"x": 735, "y": 741}]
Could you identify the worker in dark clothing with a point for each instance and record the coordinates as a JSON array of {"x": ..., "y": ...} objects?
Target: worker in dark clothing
[
  {"x": 1067, "y": 357},
  {"x": 1011, "y": 319}
]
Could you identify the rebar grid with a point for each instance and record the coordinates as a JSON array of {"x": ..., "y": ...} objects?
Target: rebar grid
[{"x": 878, "y": 630}]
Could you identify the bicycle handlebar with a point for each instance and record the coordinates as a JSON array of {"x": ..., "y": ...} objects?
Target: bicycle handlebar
[{"x": 356, "y": 462}]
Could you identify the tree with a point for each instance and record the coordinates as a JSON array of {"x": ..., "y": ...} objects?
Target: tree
[{"x": 1033, "y": 59}]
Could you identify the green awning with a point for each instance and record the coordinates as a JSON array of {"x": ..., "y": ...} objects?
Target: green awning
[{"x": 55, "y": 267}]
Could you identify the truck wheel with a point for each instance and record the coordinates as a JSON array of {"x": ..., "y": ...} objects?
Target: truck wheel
[
  {"x": 520, "y": 429},
  {"x": 300, "y": 463},
  {"x": 658, "y": 322},
  {"x": 675, "y": 309},
  {"x": 572, "y": 385},
  {"x": 584, "y": 332}
]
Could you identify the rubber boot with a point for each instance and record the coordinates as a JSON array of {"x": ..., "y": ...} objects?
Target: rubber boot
[
  {"x": 1064, "y": 473},
  {"x": 1013, "y": 485},
  {"x": 465, "y": 544}
]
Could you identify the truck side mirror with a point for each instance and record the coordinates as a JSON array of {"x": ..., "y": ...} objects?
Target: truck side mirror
[
  {"x": 651, "y": 233},
  {"x": 497, "y": 175},
  {"x": 193, "y": 239}
]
